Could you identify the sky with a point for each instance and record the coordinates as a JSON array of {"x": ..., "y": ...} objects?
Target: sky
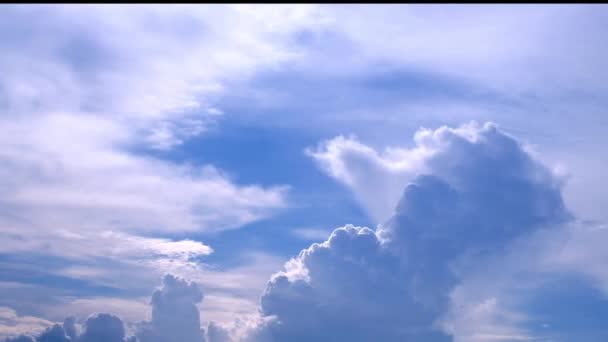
[{"x": 269, "y": 173}]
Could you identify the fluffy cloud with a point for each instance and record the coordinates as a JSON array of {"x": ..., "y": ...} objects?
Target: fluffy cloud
[
  {"x": 148, "y": 86},
  {"x": 350, "y": 288},
  {"x": 103, "y": 328},
  {"x": 56, "y": 333},
  {"x": 175, "y": 316},
  {"x": 475, "y": 191}
]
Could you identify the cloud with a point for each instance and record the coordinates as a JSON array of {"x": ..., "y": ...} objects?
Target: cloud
[
  {"x": 118, "y": 97},
  {"x": 97, "y": 328},
  {"x": 12, "y": 324},
  {"x": 93, "y": 100},
  {"x": 349, "y": 288},
  {"x": 474, "y": 191},
  {"x": 455, "y": 155},
  {"x": 70, "y": 328},
  {"x": 216, "y": 333},
  {"x": 511, "y": 48},
  {"x": 22, "y": 338},
  {"x": 480, "y": 220},
  {"x": 175, "y": 316},
  {"x": 376, "y": 179},
  {"x": 54, "y": 334},
  {"x": 311, "y": 234},
  {"x": 109, "y": 188},
  {"x": 103, "y": 328}
]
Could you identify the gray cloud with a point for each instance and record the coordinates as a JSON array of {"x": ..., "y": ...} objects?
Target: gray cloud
[
  {"x": 54, "y": 334},
  {"x": 103, "y": 328}
]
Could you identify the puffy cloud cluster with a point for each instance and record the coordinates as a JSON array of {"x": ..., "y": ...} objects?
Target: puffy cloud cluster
[
  {"x": 475, "y": 191},
  {"x": 97, "y": 328},
  {"x": 349, "y": 287},
  {"x": 175, "y": 317}
]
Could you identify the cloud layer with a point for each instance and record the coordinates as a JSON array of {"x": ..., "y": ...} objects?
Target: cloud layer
[
  {"x": 478, "y": 202},
  {"x": 92, "y": 101}
]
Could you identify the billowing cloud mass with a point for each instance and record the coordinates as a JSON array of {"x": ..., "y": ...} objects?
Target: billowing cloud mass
[{"x": 476, "y": 193}]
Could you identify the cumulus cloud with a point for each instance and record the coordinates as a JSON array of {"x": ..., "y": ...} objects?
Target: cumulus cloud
[
  {"x": 473, "y": 191},
  {"x": 56, "y": 333},
  {"x": 175, "y": 316},
  {"x": 103, "y": 328}
]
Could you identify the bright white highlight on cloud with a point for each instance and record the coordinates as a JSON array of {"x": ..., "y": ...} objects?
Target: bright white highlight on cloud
[{"x": 376, "y": 179}]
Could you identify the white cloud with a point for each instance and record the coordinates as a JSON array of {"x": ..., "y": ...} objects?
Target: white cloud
[
  {"x": 85, "y": 92},
  {"x": 72, "y": 120},
  {"x": 85, "y": 181},
  {"x": 175, "y": 316},
  {"x": 504, "y": 185},
  {"x": 474, "y": 191},
  {"x": 376, "y": 179},
  {"x": 517, "y": 50}
]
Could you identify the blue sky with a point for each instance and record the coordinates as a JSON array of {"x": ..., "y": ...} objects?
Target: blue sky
[{"x": 189, "y": 173}]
